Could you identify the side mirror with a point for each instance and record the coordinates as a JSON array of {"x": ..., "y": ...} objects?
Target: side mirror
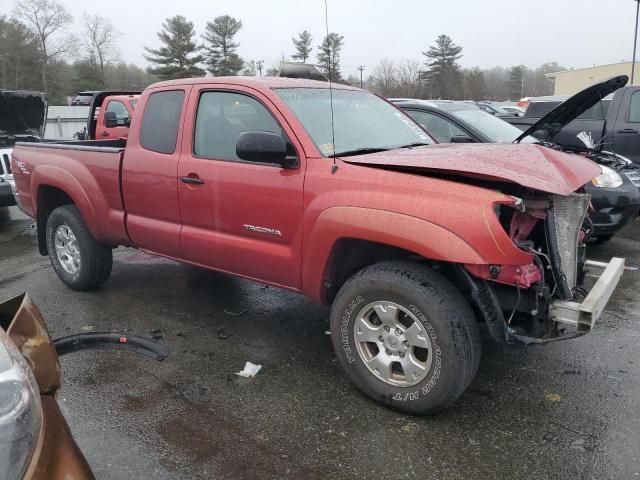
[
  {"x": 262, "y": 147},
  {"x": 110, "y": 119},
  {"x": 462, "y": 139}
]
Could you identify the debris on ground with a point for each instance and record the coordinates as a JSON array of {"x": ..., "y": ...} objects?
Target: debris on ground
[
  {"x": 87, "y": 328},
  {"x": 157, "y": 334},
  {"x": 222, "y": 335},
  {"x": 553, "y": 397},
  {"x": 234, "y": 314},
  {"x": 249, "y": 371}
]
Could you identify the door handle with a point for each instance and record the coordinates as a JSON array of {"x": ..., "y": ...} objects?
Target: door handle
[
  {"x": 104, "y": 134},
  {"x": 192, "y": 180},
  {"x": 627, "y": 130}
]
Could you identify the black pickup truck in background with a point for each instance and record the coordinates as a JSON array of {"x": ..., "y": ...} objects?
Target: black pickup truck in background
[{"x": 614, "y": 122}]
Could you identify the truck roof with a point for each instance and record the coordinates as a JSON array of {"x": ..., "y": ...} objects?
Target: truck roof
[{"x": 256, "y": 82}]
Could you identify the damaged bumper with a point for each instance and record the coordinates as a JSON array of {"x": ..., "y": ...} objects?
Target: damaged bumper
[{"x": 583, "y": 315}]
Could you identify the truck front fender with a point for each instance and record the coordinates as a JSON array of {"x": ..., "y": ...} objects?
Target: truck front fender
[{"x": 413, "y": 234}]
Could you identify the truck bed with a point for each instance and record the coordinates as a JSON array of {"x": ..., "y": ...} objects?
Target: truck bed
[{"x": 88, "y": 171}]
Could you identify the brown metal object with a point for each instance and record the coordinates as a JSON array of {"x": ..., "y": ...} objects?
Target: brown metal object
[
  {"x": 56, "y": 456},
  {"x": 24, "y": 323}
]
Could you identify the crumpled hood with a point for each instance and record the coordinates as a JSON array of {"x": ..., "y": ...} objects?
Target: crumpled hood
[
  {"x": 531, "y": 166},
  {"x": 22, "y": 112}
]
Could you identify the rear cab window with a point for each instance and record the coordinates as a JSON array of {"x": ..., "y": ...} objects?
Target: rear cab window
[
  {"x": 634, "y": 107},
  {"x": 160, "y": 122}
]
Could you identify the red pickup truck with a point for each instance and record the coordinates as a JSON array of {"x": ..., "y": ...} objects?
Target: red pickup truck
[{"x": 339, "y": 195}]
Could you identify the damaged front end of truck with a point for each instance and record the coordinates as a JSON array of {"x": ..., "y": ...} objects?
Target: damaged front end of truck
[
  {"x": 560, "y": 294},
  {"x": 545, "y": 289}
]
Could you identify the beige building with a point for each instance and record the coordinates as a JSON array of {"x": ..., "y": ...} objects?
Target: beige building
[{"x": 570, "y": 82}]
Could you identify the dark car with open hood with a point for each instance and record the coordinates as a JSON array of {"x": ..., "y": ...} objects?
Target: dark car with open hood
[
  {"x": 22, "y": 119},
  {"x": 615, "y": 193}
]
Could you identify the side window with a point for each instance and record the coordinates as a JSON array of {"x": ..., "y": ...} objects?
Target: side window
[
  {"x": 634, "y": 108},
  {"x": 436, "y": 125},
  {"x": 122, "y": 114},
  {"x": 161, "y": 119},
  {"x": 222, "y": 117}
]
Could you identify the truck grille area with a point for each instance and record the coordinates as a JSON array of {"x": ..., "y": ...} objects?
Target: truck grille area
[{"x": 564, "y": 222}]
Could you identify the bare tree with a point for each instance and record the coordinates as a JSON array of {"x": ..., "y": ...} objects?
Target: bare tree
[
  {"x": 384, "y": 77},
  {"x": 47, "y": 19},
  {"x": 408, "y": 73},
  {"x": 100, "y": 38}
]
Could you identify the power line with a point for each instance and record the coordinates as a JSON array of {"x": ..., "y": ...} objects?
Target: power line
[{"x": 362, "y": 67}]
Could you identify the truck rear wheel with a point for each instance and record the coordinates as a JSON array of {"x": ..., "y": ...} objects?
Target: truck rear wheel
[
  {"x": 78, "y": 259},
  {"x": 405, "y": 336}
]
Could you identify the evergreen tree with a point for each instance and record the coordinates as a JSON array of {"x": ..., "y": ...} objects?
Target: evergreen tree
[
  {"x": 303, "y": 46},
  {"x": 329, "y": 56},
  {"x": 443, "y": 73},
  {"x": 220, "y": 49},
  {"x": 516, "y": 82},
  {"x": 178, "y": 57},
  {"x": 474, "y": 84},
  {"x": 20, "y": 67}
]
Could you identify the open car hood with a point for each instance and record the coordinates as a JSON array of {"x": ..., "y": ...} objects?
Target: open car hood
[
  {"x": 529, "y": 165},
  {"x": 573, "y": 107},
  {"x": 22, "y": 112}
]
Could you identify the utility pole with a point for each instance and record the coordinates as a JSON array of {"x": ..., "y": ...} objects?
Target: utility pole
[
  {"x": 259, "y": 65},
  {"x": 635, "y": 42},
  {"x": 362, "y": 67}
]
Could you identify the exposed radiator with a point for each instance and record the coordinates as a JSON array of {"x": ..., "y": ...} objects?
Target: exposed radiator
[{"x": 563, "y": 230}]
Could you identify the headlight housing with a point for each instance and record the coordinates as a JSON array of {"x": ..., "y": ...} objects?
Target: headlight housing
[
  {"x": 20, "y": 410},
  {"x": 609, "y": 178}
]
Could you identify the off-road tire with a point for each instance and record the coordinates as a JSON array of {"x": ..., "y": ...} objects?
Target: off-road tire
[
  {"x": 96, "y": 258},
  {"x": 443, "y": 312}
]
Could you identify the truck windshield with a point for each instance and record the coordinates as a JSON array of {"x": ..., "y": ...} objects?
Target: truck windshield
[{"x": 363, "y": 122}]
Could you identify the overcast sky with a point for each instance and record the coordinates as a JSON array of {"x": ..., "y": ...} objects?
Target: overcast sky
[{"x": 576, "y": 33}]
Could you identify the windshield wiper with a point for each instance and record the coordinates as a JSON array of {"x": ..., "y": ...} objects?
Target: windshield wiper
[
  {"x": 360, "y": 151},
  {"x": 415, "y": 144}
]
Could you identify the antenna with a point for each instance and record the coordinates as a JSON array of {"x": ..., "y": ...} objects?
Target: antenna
[{"x": 334, "y": 167}]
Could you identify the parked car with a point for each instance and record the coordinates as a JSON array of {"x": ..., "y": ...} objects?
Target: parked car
[
  {"x": 22, "y": 118},
  {"x": 331, "y": 191},
  {"x": 613, "y": 120},
  {"x": 615, "y": 195},
  {"x": 84, "y": 98},
  {"x": 515, "y": 109},
  {"x": 496, "y": 110},
  {"x": 35, "y": 440}
]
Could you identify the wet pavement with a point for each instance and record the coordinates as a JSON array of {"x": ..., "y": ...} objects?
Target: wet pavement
[{"x": 565, "y": 410}]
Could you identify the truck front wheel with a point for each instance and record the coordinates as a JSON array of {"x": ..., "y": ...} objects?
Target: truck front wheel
[
  {"x": 78, "y": 259},
  {"x": 405, "y": 336}
]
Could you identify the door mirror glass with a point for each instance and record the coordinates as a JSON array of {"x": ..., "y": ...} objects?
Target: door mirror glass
[
  {"x": 262, "y": 147},
  {"x": 110, "y": 119},
  {"x": 462, "y": 139}
]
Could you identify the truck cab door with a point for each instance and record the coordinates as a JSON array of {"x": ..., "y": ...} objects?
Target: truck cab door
[
  {"x": 626, "y": 129},
  {"x": 149, "y": 172},
  {"x": 239, "y": 216},
  {"x": 123, "y": 117}
]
